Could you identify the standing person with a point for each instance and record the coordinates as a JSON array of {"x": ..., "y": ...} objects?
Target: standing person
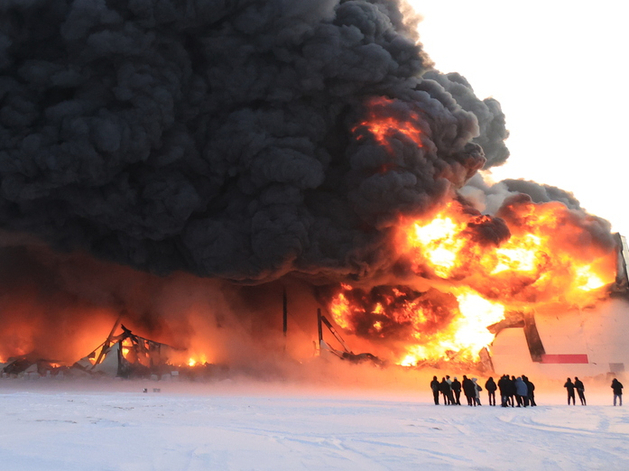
[
  {"x": 450, "y": 394},
  {"x": 580, "y": 390},
  {"x": 469, "y": 390},
  {"x": 477, "y": 390},
  {"x": 456, "y": 389},
  {"x": 521, "y": 392},
  {"x": 434, "y": 386},
  {"x": 617, "y": 387},
  {"x": 530, "y": 390},
  {"x": 504, "y": 390},
  {"x": 570, "y": 388},
  {"x": 490, "y": 386},
  {"x": 512, "y": 391},
  {"x": 445, "y": 391}
]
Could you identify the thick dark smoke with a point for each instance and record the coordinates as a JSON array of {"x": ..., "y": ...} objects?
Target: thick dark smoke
[
  {"x": 490, "y": 117},
  {"x": 216, "y": 137}
]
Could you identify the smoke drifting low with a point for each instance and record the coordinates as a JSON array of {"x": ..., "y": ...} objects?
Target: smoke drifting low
[{"x": 60, "y": 307}]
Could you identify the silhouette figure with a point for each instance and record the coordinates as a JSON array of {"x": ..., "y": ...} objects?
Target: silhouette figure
[
  {"x": 434, "y": 386},
  {"x": 490, "y": 386},
  {"x": 456, "y": 389},
  {"x": 570, "y": 388},
  {"x": 503, "y": 385},
  {"x": 580, "y": 390},
  {"x": 445, "y": 390},
  {"x": 617, "y": 388}
]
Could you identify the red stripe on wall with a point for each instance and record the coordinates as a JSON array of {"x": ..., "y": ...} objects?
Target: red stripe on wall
[{"x": 564, "y": 358}]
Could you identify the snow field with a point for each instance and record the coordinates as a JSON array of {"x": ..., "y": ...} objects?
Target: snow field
[{"x": 191, "y": 428}]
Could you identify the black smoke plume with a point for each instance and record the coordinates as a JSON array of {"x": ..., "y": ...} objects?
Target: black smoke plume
[{"x": 215, "y": 136}]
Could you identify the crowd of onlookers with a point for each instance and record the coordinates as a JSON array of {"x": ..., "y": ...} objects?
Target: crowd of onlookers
[
  {"x": 514, "y": 392},
  {"x": 580, "y": 388},
  {"x": 578, "y": 385}
]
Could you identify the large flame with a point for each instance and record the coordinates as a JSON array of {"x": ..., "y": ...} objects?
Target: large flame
[
  {"x": 548, "y": 256},
  {"x": 462, "y": 272},
  {"x": 483, "y": 268},
  {"x": 484, "y": 280}
]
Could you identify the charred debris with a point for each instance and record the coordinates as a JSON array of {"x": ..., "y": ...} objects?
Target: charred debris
[
  {"x": 122, "y": 354},
  {"x": 344, "y": 353}
]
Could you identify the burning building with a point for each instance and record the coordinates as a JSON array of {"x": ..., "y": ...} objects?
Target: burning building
[
  {"x": 184, "y": 161},
  {"x": 535, "y": 291}
]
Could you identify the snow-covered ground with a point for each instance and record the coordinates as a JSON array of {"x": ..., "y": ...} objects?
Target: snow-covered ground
[{"x": 66, "y": 425}]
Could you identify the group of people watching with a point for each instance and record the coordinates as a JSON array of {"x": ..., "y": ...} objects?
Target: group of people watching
[
  {"x": 580, "y": 388},
  {"x": 516, "y": 392},
  {"x": 512, "y": 390},
  {"x": 451, "y": 390},
  {"x": 578, "y": 385}
]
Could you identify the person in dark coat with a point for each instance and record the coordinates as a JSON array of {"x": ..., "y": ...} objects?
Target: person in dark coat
[
  {"x": 450, "y": 394},
  {"x": 490, "y": 386},
  {"x": 531, "y": 390},
  {"x": 434, "y": 386},
  {"x": 512, "y": 391},
  {"x": 469, "y": 389},
  {"x": 570, "y": 388},
  {"x": 578, "y": 385},
  {"x": 504, "y": 390},
  {"x": 617, "y": 388},
  {"x": 456, "y": 389},
  {"x": 444, "y": 387}
]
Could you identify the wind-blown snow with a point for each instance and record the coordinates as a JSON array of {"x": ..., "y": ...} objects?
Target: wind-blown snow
[{"x": 49, "y": 425}]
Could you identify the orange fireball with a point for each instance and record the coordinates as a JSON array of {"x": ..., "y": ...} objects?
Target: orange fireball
[{"x": 483, "y": 268}]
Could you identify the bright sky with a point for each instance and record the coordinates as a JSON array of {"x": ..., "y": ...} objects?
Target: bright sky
[{"x": 560, "y": 70}]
